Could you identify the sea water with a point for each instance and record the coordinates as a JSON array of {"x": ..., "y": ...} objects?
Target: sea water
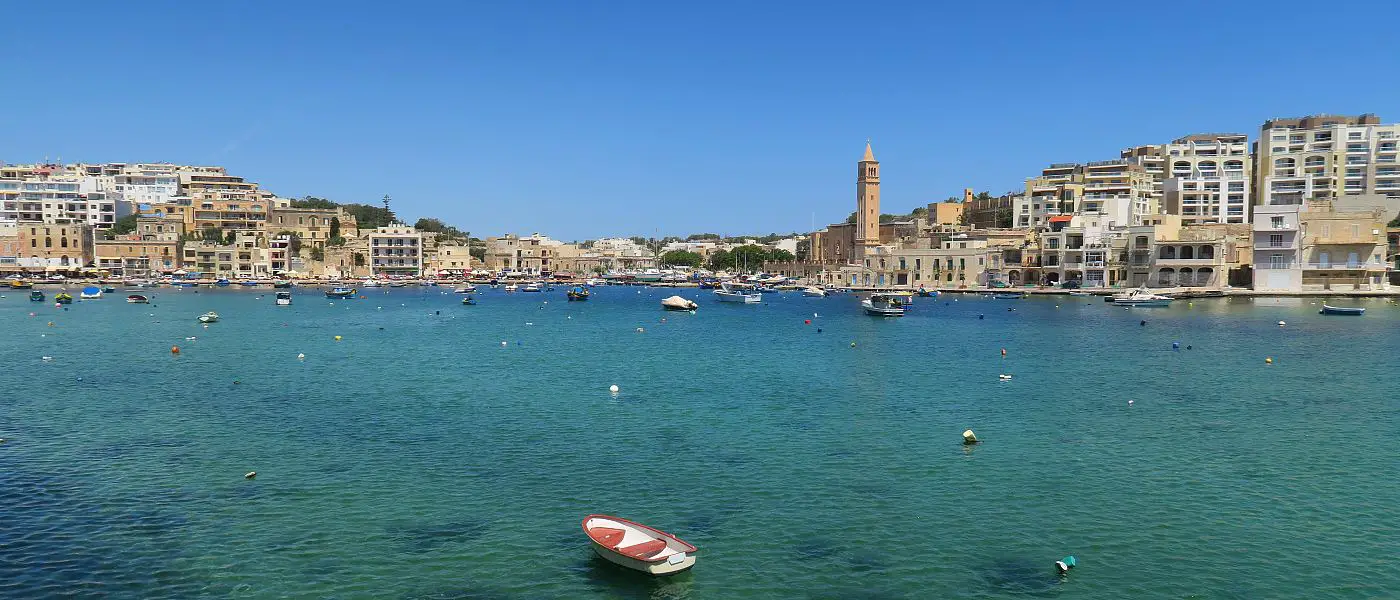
[{"x": 810, "y": 451}]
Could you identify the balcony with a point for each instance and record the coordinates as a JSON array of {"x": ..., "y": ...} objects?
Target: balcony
[{"x": 1346, "y": 266}]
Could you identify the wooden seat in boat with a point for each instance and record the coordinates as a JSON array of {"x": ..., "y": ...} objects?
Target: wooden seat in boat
[
  {"x": 644, "y": 549},
  {"x": 607, "y": 536}
]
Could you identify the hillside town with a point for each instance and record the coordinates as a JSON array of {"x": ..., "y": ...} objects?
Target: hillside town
[{"x": 1311, "y": 205}]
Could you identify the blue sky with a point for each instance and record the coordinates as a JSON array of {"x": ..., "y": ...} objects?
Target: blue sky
[{"x": 589, "y": 119}]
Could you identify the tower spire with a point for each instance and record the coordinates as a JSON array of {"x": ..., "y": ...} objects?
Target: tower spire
[{"x": 869, "y": 155}]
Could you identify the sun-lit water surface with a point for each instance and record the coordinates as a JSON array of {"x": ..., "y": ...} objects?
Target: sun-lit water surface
[{"x": 420, "y": 457}]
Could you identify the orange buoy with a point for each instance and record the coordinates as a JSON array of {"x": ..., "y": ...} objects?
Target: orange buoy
[{"x": 174, "y": 349}]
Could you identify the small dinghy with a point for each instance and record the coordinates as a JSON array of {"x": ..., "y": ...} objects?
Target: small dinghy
[
  {"x": 679, "y": 303},
  {"x": 637, "y": 546},
  {"x": 1354, "y": 311},
  {"x": 341, "y": 292},
  {"x": 209, "y": 317},
  {"x": 137, "y": 299},
  {"x": 469, "y": 301},
  {"x": 36, "y": 296}
]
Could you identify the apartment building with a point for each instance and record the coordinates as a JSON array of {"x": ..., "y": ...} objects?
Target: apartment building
[
  {"x": 142, "y": 183},
  {"x": 1163, "y": 252},
  {"x": 1086, "y": 249},
  {"x": 132, "y": 256},
  {"x": 313, "y": 226},
  {"x": 446, "y": 258},
  {"x": 1208, "y": 178},
  {"x": 957, "y": 263},
  {"x": 54, "y": 247},
  {"x": 247, "y": 257},
  {"x": 215, "y": 200},
  {"x": 511, "y": 252},
  {"x": 396, "y": 250},
  {"x": 1342, "y": 250},
  {"x": 1324, "y": 157}
]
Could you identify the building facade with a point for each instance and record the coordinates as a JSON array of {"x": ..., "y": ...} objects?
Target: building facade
[
  {"x": 1209, "y": 178},
  {"x": 396, "y": 251},
  {"x": 1324, "y": 157}
]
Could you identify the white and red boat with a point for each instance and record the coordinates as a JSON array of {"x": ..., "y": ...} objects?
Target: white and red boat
[{"x": 637, "y": 546}]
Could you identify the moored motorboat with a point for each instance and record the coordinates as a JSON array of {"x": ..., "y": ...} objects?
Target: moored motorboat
[
  {"x": 469, "y": 300},
  {"x": 63, "y": 298},
  {"x": 107, "y": 289},
  {"x": 90, "y": 293},
  {"x": 371, "y": 283},
  {"x": 1354, "y": 311},
  {"x": 222, "y": 282},
  {"x": 137, "y": 299},
  {"x": 464, "y": 289},
  {"x": 1009, "y": 295},
  {"x": 883, "y": 305},
  {"x": 1142, "y": 297},
  {"x": 36, "y": 296},
  {"x": 284, "y": 298},
  {"x": 21, "y": 284},
  {"x": 737, "y": 292},
  {"x": 340, "y": 292},
  {"x": 532, "y": 287},
  {"x": 510, "y": 287},
  {"x": 209, "y": 317},
  {"x": 282, "y": 283},
  {"x": 638, "y": 547},
  {"x": 927, "y": 294},
  {"x": 814, "y": 292},
  {"x": 678, "y": 303},
  {"x": 578, "y": 294}
]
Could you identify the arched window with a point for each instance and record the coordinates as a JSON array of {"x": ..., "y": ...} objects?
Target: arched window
[
  {"x": 1181, "y": 166},
  {"x": 63, "y": 241},
  {"x": 48, "y": 242},
  {"x": 1168, "y": 252},
  {"x": 1206, "y": 252},
  {"x": 1187, "y": 253}
]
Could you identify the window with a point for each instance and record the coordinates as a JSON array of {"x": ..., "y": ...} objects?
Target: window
[
  {"x": 1325, "y": 230},
  {"x": 1355, "y": 231},
  {"x": 1276, "y": 222},
  {"x": 1275, "y": 240}
]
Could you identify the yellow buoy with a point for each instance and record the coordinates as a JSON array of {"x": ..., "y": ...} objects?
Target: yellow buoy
[
  {"x": 1269, "y": 360},
  {"x": 337, "y": 338}
]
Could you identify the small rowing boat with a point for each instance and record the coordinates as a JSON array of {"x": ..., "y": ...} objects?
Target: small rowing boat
[
  {"x": 1354, "y": 311},
  {"x": 637, "y": 546}
]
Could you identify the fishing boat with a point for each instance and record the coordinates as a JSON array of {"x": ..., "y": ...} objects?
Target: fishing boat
[
  {"x": 21, "y": 284},
  {"x": 90, "y": 293},
  {"x": 341, "y": 292},
  {"x": 638, "y": 547},
  {"x": 247, "y": 283},
  {"x": 1009, "y": 295},
  {"x": 209, "y": 317},
  {"x": 464, "y": 289},
  {"x": 927, "y": 294},
  {"x": 284, "y": 298},
  {"x": 107, "y": 289},
  {"x": 469, "y": 301},
  {"x": 282, "y": 284},
  {"x": 738, "y": 292},
  {"x": 137, "y": 299},
  {"x": 222, "y": 282},
  {"x": 883, "y": 305},
  {"x": 63, "y": 298},
  {"x": 578, "y": 294},
  {"x": 36, "y": 296},
  {"x": 1142, "y": 297},
  {"x": 371, "y": 283},
  {"x": 532, "y": 287},
  {"x": 1354, "y": 311},
  {"x": 510, "y": 288},
  {"x": 678, "y": 303},
  {"x": 814, "y": 292},
  {"x": 594, "y": 282}
]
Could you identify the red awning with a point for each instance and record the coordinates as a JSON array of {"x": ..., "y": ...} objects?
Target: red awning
[{"x": 1061, "y": 219}]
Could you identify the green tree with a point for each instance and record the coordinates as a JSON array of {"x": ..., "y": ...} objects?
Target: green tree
[
  {"x": 335, "y": 229},
  {"x": 681, "y": 258},
  {"x": 370, "y": 217},
  {"x": 804, "y": 250},
  {"x": 721, "y": 259},
  {"x": 851, "y": 220},
  {"x": 293, "y": 241},
  {"x": 213, "y": 235},
  {"x": 122, "y": 226},
  {"x": 313, "y": 202},
  {"x": 1004, "y": 218},
  {"x": 748, "y": 258},
  {"x": 780, "y": 255},
  {"x": 318, "y": 254},
  {"x": 359, "y": 259},
  {"x": 701, "y": 236},
  {"x": 478, "y": 253}
]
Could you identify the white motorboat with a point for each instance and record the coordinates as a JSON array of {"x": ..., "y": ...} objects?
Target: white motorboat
[
  {"x": 369, "y": 283},
  {"x": 596, "y": 282},
  {"x": 883, "y": 305},
  {"x": 531, "y": 287},
  {"x": 738, "y": 292},
  {"x": 679, "y": 303},
  {"x": 464, "y": 289},
  {"x": 209, "y": 317},
  {"x": 637, "y": 546},
  {"x": 511, "y": 287},
  {"x": 1142, "y": 297},
  {"x": 284, "y": 298},
  {"x": 814, "y": 292}
]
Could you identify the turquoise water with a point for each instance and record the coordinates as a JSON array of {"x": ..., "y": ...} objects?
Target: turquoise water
[{"x": 418, "y": 457}]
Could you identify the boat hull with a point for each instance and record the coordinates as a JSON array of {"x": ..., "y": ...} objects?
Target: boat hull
[
  {"x": 739, "y": 298},
  {"x": 1143, "y": 303},
  {"x": 1338, "y": 310},
  {"x": 659, "y": 569}
]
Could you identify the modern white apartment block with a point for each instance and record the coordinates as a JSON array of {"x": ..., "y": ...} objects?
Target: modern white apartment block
[
  {"x": 1208, "y": 178},
  {"x": 1326, "y": 156},
  {"x": 396, "y": 250},
  {"x": 1119, "y": 191}
]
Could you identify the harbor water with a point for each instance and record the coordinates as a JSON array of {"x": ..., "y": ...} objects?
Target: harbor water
[{"x": 439, "y": 451}]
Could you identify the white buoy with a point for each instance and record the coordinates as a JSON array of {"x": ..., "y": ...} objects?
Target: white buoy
[
  {"x": 529, "y": 323},
  {"x": 46, "y": 357},
  {"x": 641, "y": 330},
  {"x": 301, "y": 356},
  {"x": 969, "y": 438},
  {"x": 1003, "y": 377},
  {"x": 613, "y": 388},
  {"x": 1130, "y": 403},
  {"x": 1281, "y": 323},
  {"x": 504, "y": 343},
  {"x": 250, "y": 475}
]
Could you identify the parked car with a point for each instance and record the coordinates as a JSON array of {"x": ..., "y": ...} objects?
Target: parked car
[{"x": 1070, "y": 285}]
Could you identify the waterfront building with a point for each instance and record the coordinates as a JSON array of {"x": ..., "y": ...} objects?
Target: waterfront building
[
  {"x": 1208, "y": 179},
  {"x": 1165, "y": 253},
  {"x": 449, "y": 258},
  {"x": 216, "y": 200},
  {"x": 992, "y": 212},
  {"x": 133, "y": 256},
  {"x": 837, "y": 244},
  {"x": 1326, "y": 157},
  {"x": 396, "y": 250},
  {"x": 1277, "y": 238},
  {"x": 867, "y": 230},
  {"x": 533, "y": 255},
  {"x": 958, "y": 263},
  {"x": 48, "y": 194},
  {"x": 53, "y": 247},
  {"x": 313, "y": 226},
  {"x": 1313, "y": 247},
  {"x": 247, "y": 257},
  {"x": 1086, "y": 249}
]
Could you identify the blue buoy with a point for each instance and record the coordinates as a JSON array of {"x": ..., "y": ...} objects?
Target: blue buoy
[
  {"x": 980, "y": 317},
  {"x": 1143, "y": 323},
  {"x": 1176, "y": 345}
]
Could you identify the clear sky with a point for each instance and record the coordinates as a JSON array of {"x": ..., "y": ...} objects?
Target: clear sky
[{"x": 587, "y": 119}]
